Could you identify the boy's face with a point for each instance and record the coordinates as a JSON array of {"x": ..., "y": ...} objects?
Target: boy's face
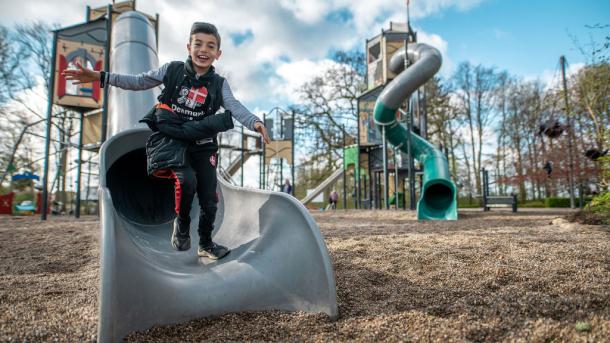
[{"x": 203, "y": 49}]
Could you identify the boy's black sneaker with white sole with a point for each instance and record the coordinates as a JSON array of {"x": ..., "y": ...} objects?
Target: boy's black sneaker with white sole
[
  {"x": 181, "y": 239},
  {"x": 213, "y": 251}
]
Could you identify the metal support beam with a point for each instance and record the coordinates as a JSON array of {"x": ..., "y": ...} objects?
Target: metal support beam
[{"x": 47, "y": 143}]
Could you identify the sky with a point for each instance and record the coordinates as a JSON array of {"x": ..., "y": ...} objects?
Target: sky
[{"x": 271, "y": 47}]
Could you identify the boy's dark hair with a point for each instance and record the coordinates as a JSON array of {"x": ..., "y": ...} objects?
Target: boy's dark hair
[{"x": 201, "y": 27}]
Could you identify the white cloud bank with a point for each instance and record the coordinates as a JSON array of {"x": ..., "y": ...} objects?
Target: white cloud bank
[{"x": 288, "y": 42}]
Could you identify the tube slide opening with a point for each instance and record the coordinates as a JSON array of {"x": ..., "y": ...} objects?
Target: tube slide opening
[
  {"x": 438, "y": 197},
  {"x": 136, "y": 196}
]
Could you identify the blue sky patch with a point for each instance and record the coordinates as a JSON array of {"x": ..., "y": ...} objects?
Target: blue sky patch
[
  {"x": 342, "y": 15},
  {"x": 240, "y": 37}
]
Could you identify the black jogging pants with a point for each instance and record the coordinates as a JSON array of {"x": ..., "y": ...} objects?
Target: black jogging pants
[{"x": 199, "y": 176}]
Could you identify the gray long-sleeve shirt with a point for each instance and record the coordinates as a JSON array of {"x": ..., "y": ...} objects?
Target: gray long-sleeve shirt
[{"x": 153, "y": 78}]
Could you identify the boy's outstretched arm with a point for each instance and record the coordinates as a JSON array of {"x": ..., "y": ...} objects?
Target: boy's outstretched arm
[
  {"x": 141, "y": 81},
  {"x": 241, "y": 113}
]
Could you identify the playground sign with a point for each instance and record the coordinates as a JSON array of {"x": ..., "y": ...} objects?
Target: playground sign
[{"x": 84, "y": 44}]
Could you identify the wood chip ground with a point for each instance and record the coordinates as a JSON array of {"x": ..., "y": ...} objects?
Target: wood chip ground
[{"x": 497, "y": 276}]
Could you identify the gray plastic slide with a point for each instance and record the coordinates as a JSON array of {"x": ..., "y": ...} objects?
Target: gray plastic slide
[
  {"x": 278, "y": 258},
  {"x": 322, "y": 186}
]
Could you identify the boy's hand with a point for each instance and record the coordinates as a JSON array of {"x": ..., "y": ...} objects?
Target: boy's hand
[
  {"x": 260, "y": 128},
  {"x": 81, "y": 75}
]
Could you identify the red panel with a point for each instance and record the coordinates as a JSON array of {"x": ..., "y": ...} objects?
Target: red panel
[
  {"x": 39, "y": 203},
  {"x": 61, "y": 84},
  {"x": 6, "y": 203},
  {"x": 96, "y": 85}
]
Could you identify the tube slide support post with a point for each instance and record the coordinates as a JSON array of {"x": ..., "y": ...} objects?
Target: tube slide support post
[
  {"x": 385, "y": 169},
  {"x": 79, "y": 166},
  {"x": 47, "y": 143}
]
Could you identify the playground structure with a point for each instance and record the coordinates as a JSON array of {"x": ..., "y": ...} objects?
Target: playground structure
[
  {"x": 25, "y": 207},
  {"x": 369, "y": 163},
  {"x": 271, "y": 157},
  {"x": 384, "y": 117},
  {"x": 278, "y": 259},
  {"x": 380, "y": 176}
]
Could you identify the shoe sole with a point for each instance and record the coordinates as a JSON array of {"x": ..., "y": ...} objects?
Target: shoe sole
[
  {"x": 210, "y": 256},
  {"x": 186, "y": 246},
  {"x": 180, "y": 247}
]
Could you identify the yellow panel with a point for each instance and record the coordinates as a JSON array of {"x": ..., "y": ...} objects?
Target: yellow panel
[
  {"x": 279, "y": 149},
  {"x": 96, "y": 13},
  {"x": 364, "y": 160},
  {"x": 391, "y": 48},
  {"x": 92, "y": 128},
  {"x": 117, "y": 9},
  {"x": 87, "y": 95},
  {"x": 366, "y": 111},
  {"x": 124, "y": 6}
]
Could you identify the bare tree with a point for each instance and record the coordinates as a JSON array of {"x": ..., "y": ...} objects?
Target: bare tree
[
  {"x": 327, "y": 111},
  {"x": 474, "y": 89},
  {"x": 502, "y": 97},
  {"x": 13, "y": 75},
  {"x": 442, "y": 119},
  {"x": 35, "y": 39}
]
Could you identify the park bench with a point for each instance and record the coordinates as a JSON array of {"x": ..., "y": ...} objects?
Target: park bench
[{"x": 499, "y": 201}]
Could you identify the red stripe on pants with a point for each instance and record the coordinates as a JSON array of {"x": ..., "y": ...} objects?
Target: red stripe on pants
[{"x": 177, "y": 192}]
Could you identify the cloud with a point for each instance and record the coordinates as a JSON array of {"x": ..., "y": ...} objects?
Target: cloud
[
  {"x": 552, "y": 78},
  {"x": 268, "y": 46},
  {"x": 292, "y": 75},
  {"x": 439, "y": 43}
]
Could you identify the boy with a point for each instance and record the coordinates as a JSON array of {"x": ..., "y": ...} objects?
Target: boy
[{"x": 199, "y": 93}]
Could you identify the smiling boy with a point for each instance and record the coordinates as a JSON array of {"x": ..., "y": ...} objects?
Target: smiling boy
[{"x": 198, "y": 93}]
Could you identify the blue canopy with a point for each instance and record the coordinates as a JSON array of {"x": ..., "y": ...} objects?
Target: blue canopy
[{"x": 25, "y": 176}]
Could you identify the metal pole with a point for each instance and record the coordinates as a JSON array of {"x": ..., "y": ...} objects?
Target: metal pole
[
  {"x": 281, "y": 159},
  {"x": 344, "y": 172},
  {"x": 357, "y": 169},
  {"x": 88, "y": 183},
  {"x": 47, "y": 143},
  {"x": 242, "y": 158},
  {"x": 385, "y": 169},
  {"x": 79, "y": 166},
  {"x": 263, "y": 162},
  {"x": 485, "y": 189},
  {"x": 396, "y": 151},
  {"x": 107, "y": 67},
  {"x": 411, "y": 168},
  {"x": 157, "y": 30},
  {"x": 293, "y": 161},
  {"x": 423, "y": 120},
  {"x": 562, "y": 60}
]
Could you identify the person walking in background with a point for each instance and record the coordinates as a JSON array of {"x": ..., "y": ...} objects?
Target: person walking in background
[
  {"x": 333, "y": 198},
  {"x": 287, "y": 187}
]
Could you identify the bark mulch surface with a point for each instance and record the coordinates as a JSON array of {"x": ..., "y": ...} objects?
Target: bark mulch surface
[{"x": 496, "y": 276}]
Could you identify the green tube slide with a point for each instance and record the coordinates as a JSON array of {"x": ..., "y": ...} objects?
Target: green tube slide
[{"x": 438, "y": 195}]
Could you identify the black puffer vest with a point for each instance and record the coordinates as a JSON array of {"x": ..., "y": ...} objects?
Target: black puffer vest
[
  {"x": 192, "y": 97},
  {"x": 183, "y": 93}
]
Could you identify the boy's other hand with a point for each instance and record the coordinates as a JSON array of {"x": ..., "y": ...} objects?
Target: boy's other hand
[
  {"x": 260, "y": 128},
  {"x": 81, "y": 75}
]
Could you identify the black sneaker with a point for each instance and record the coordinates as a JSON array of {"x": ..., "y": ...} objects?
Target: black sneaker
[
  {"x": 181, "y": 239},
  {"x": 213, "y": 251}
]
